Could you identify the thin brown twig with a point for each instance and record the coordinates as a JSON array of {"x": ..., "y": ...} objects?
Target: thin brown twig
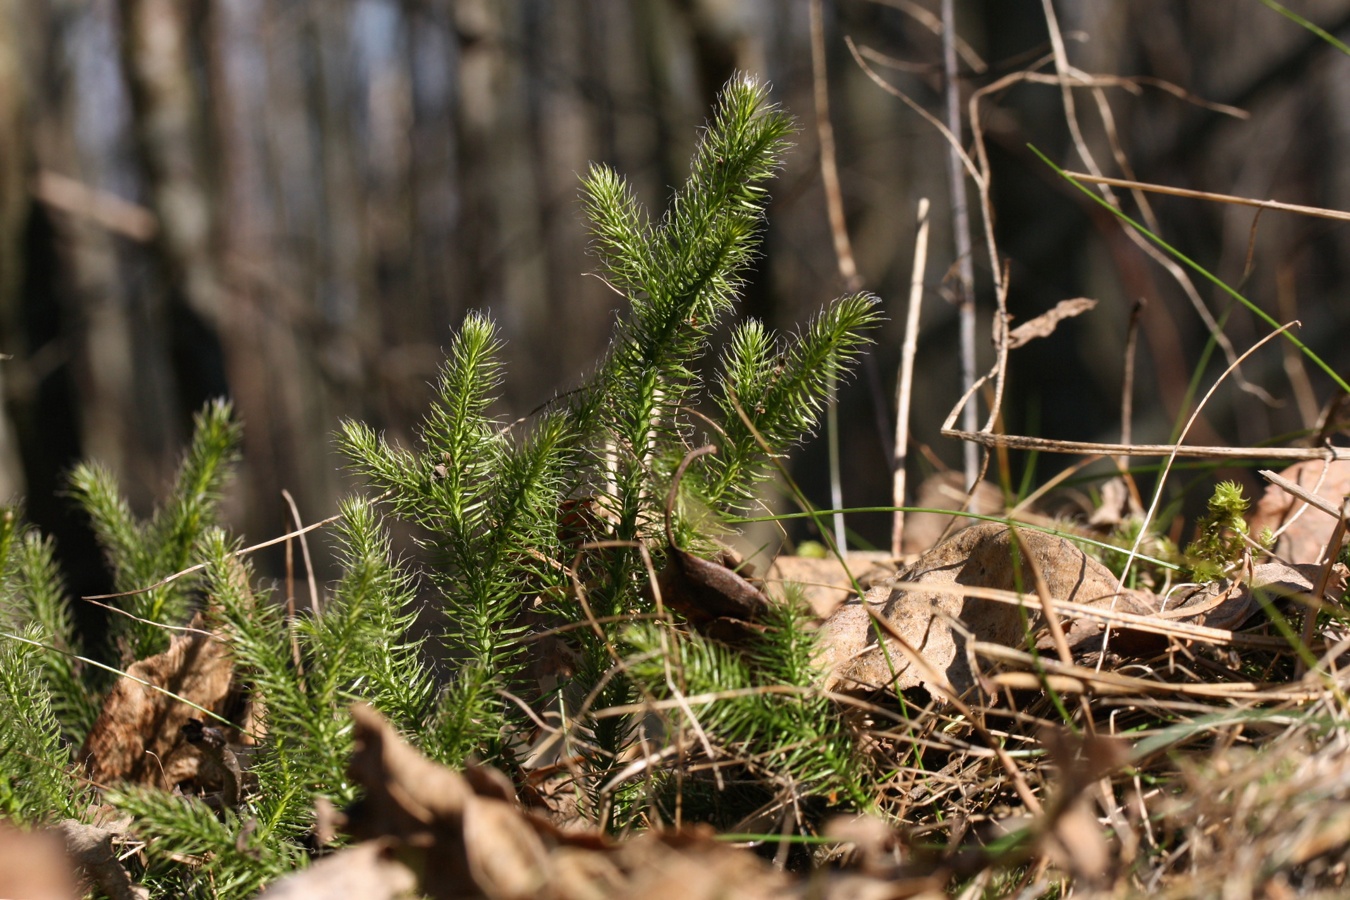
[
  {"x": 1170, "y": 265},
  {"x": 952, "y": 141},
  {"x": 1181, "y": 451},
  {"x": 1068, "y": 78},
  {"x": 934, "y": 24},
  {"x": 1062, "y": 475},
  {"x": 1048, "y": 602},
  {"x": 843, "y": 247},
  {"x": 1147, "y": 624},
  {"x": 1309, "y": 497},
  {"x": 829, "y": 167},
  {"x": 1114, "y": 682},
  {"x": 185, "y": 629},
  {"x": 1050, "y": 610},
  {"x": 1127, "y": 384},
  {"x": 1288, "y": 523},
  {"x": 980, "y": 176}
]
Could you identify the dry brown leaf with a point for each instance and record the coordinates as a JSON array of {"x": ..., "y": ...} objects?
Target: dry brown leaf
[
  {"x": 139, "y": 726},
  {"x": 932, "y": 621},
  {"x": 929, "y": 607},
  {"x": 1118, "y": 504},
  {"x": 464, "y": 836},
  {"x": 824, "y": 582},
  {"x": 945, "y": 490},
  {"x": 369, "y": 871},
  {"x": 1045, "y": 324},
  {"x": 710, "y": 594},
  {"x": 1306, "y": 539},
  {"x": 33, "y": 865},
  {"x": 1229, "y": 603},
  {"x": 455, "y": 837},
  {"x": 693, "y": 865},
  {"x": 91, "y": 848}
]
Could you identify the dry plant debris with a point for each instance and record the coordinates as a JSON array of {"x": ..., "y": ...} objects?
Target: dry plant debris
[
  {"x": 1302, "y": 532},
  {"x": 424, "y": 828},
  {"x": 64, "y": 862},
  {"x": 1047, "y": 761},
  {"x": 826, "y": 583},
  {"x": 945, "y": 490},
  {"x": 1044, "y": 325},
  {"x": 33, "y": 865},
  {"x": 939, "y": 624},
  {"x": 139, "y": 727}
]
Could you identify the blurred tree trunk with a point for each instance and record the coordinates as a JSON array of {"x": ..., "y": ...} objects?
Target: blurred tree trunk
[
  {"x": 14, "y": 208},
  {"x": 173, "y": 134},
  {"x": 335, "y": 184}
]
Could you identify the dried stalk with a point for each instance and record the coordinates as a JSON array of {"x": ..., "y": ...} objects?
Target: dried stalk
[
  {"x": 843, "y": 249},
  {"x": 1317, "y": 211},
  {"x": 906, "y": 383}
]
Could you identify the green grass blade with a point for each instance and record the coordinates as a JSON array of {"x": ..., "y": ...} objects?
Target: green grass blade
[{"x": 1299, "y": 20}]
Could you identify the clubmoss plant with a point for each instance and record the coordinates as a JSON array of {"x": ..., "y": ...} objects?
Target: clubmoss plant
[
  {"x": 537, "y": 547},
  {"x": 142, "y": 554},
  {"x": 504, "y": 513}
]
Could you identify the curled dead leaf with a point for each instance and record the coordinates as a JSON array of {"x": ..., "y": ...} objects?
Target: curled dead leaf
[
  {"x": 451, "y": 835},
  {"x": 138, "y": 728}
]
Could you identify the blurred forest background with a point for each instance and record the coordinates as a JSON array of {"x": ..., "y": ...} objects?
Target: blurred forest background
[{"x": 294, "y": 202}]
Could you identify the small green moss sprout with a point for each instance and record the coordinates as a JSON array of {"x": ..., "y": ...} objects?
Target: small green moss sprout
[{"x": 1223, "y": 533}]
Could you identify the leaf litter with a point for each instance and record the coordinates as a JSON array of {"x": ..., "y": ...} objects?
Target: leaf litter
[{"x": 994, "y": 625}]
